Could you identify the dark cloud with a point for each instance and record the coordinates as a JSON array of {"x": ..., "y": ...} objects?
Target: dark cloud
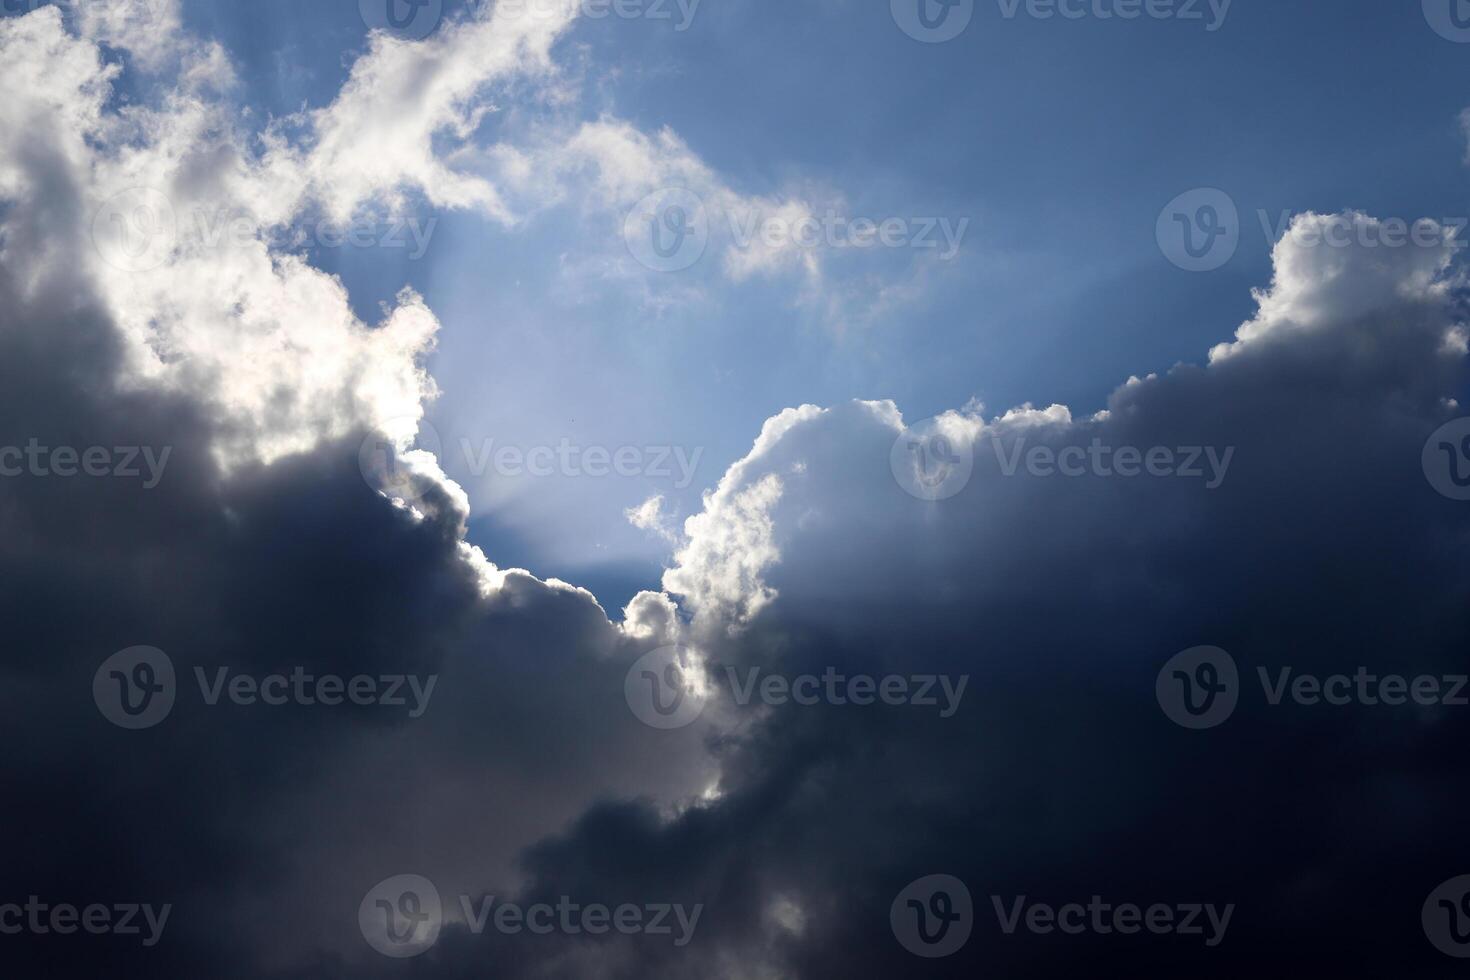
[{"x": 792, "y": 828}]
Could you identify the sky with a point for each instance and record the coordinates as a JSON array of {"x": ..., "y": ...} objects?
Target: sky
[
  {"x": 883, "y": 489},
  {"x": 1056, "y": 142}
]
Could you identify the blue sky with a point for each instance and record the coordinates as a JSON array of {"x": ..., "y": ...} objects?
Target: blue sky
[
  {"x": 587, "y": 245},
  {"x": 1058, "y": 140}
]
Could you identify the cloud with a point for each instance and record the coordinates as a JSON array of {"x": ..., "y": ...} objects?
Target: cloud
[{"x": 264, "y": 549}]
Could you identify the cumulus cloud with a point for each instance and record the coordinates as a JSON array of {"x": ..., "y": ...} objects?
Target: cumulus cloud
[{"x": 1060, "y": 596}]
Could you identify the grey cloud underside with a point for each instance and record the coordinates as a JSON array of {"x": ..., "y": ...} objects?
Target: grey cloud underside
[{"x": 1059, "y": 778}]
